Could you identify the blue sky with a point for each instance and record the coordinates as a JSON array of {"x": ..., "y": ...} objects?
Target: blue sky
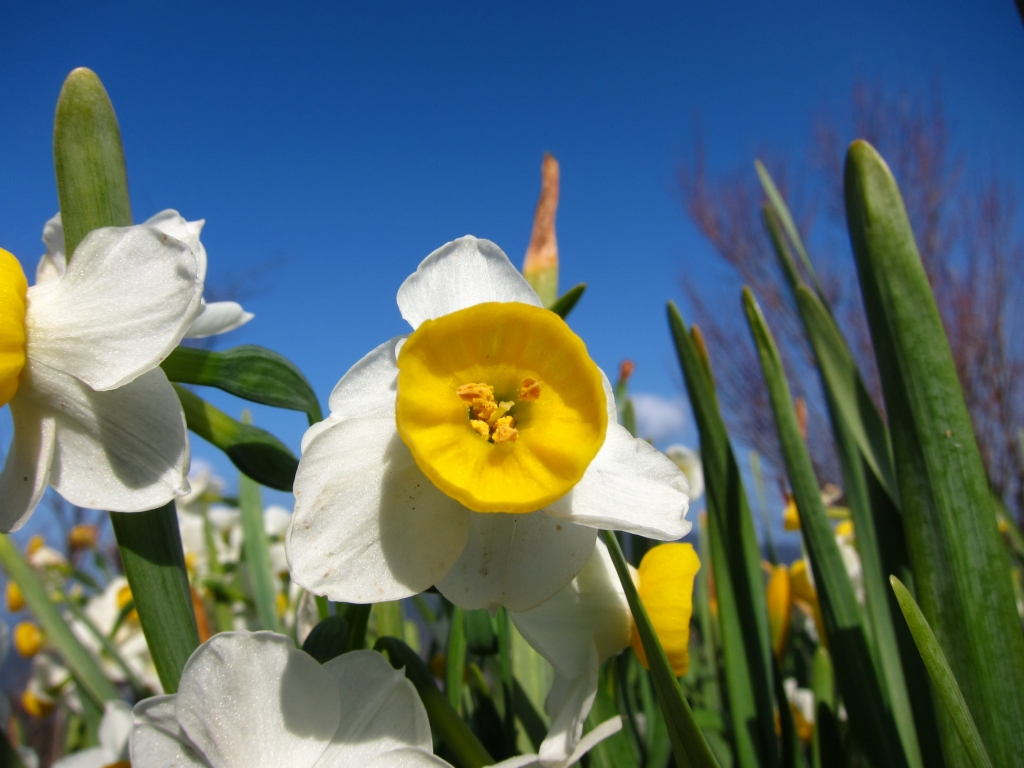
[{"x": 341, "y": 143}]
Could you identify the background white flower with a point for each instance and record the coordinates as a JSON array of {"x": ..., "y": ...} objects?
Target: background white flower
[{"x": 113, "y": 735}]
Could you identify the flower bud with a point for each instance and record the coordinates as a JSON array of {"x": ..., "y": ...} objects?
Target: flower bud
[
  {"x": 28, "y": 639},
  {"x": 15, "y": 600}
]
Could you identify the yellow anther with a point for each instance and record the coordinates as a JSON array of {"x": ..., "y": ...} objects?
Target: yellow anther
[
  {"x": 530, "y": 390},
  {"x": 36, "y": 543},
  {"x": 15, "y": 600},
  {"x": 124, "y": 596},
  {"x": 28, "y": 639},
  {"x": 471, "y": 392},
  {"x": 482, "y": 427},
  {"x": 83, "y": 536},
  {"x": 282, "y": 604},
  {"x": 35, "y": 706},
  {"x": 190, "y": 560},
  {"x": 845, "y": 529},
  {"x": 504, "y": 432}
]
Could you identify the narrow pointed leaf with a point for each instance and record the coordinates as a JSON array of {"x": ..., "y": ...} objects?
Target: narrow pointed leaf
[
  {"x": 960, "y": 566},
  {"x": 250, "y": 372},
  {"x": 444, "y": 720},
  {"x": 254, "y": 451},
  {"x": 257, "y": 553},
  {"x": 946, "y": 688},
  {"x": 688, "y": 743},
  {"x": 736, "y": 563},
  {"x": 328, "y": 639},
  {"x": 455, "y": 658},
  {"x": 564, "y": 304},
  {"x": 827, "y": 747},
  {"x": 79, "y": 660},
  {"x": 859, "y": 679},
  {"x": 92, "y": 187}
]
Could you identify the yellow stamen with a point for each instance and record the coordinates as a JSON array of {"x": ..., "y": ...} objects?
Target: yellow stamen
[
  {"x": 35, "y": 706},
  {"x": 665, "y": 586},
  {"x": 790, "y": 516},
  {"x": 845, "y": 529},
  {"x": 13, "y": 288},
  {"x": 35, "y": 543},
  {"x": 15, "y": 599},
  {"x": 28, "y": 639},
  {"x": 493, "y": 358},
  {"x": 282, "y": 604},
  {"x": 83, "y": 536},
  {"x": 780, "y": 604}
]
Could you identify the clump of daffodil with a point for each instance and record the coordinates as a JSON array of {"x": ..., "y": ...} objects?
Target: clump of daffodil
[
  {"x": 479, "y": 454},
  {"x": 94, "y": 416},
  {"x": 589, "y": 621},
  {"x": 28, "y": 639}
]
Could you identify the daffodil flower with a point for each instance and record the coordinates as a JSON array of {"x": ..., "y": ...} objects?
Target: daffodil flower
[
  {"x": 113, "y": 734},
  {"x": 248, "y": 700},
  {"x": 589, "y": 621},
  {"x": 214, "y": 317},
  {"x": 479, "y": 454},
  {"x": 94, "y": 416}
]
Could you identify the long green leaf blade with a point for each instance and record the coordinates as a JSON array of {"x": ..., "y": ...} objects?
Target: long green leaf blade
[
  {"x": 250, "y": 372},
  {"x": 736, "y": 562},
  {"x": 254, "y": 451},
  {"x": 859, "y": 679},
  {"x": 257, "y": 553},
  {"x": 942, "y": 676},
  {"x": 688, "y": 743},
  {"x": 455, "y": 658},
  {"x": 92, "y": 186},
  {"x": 82, "y": 663},
  {"x": 961, "y": 569},
  {"x": 564, "y": 304}
]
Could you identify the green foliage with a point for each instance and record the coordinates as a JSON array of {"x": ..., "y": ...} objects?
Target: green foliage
[
  {"x": 565, "y": 303},
  {"x": 257, "y": 553}
]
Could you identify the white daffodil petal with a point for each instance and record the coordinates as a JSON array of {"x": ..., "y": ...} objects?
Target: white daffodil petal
[
  {"x": 125, "y": 301},
  {"x": 368, "y": 525},
  {"x": 398, "y": 758},
  {"x": 157, "y": 740},
  {"x": 26, "y": 472},
  {"x": 116, "y": 729},
  {"x": 53, "y": 263},
  {"x": 95, "y": 757},
  {"x": 589, "y": 611},
  {"x": 172, "y": 223},
  {"x": 629, "y": 486},
  {"x": 517, "y": 561},
  {"x": 380, "y": 711},
  {"x": 369, "y": 387},
  {"x": 125, "y": 450},
  {"x": 568, "y": 705},
  {"x": 218, "y": 317},
  {"x": 460, "y": 274},
  {"x": 248, "y": 699}
]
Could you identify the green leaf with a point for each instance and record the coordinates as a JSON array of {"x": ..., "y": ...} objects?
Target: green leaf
[
  {"x": 942, "y": 676},
  {"x": 254, "y": 451},
  {"x": 827, "y": 748},
  {"x": 565, "y": 303},
  {"x": 455, "y": 658},
  {"x": 83, "y": 664},
  {"x": 357, "y": 616},
  {"x": 480, "y": 634},
  {"x": 532, "y": 678},
  {"x": 389, "y": 618},
  {"x": 790, "y": 740},
  {"x": 154, "y": 564},
  {"x": 92, "y": 187},
  {"x": 444, "y": 720},
  {"x": 736, "y": 562},
  {"x": 328, "y": 639},
  {"x": 92, "y": 181},
  {"x": 615, "y": 751},
  {"x": 528, "y": 716},
  {"x": 859, "y": 678},
  {"x": 9, "y": 756},
  {"x": 250, "y": 372},
  {"x": 961, "y": 569},
  {"x": 688, "y": 743},
  {"x": 257, "y": 553}
]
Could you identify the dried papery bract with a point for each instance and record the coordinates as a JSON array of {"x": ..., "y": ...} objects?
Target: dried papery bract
[{"x": 541, "y": 265}]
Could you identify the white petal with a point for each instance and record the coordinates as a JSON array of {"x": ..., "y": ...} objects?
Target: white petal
[
  {"x": 460, "y": 274},
  {"x": 517, "y": 561},
  {"x": 599, "y": 733},
  {"x": 568, "y": 704},
  {"x": 125, "y": 301},
  {"x": 218, "y": 317},
  {"x": 54, "y": 262},
  {"x": 629, "y": 486},
  {"x": 369, "y": 387},
  {"x": 116, "y": 729},
  {"x": 170, "y": 222},
  {"x": 589, "y": 611},
  {"x": 96, "y": 757},
  {"x": 688, "y": 460},
  {"x": 400, "y": 758},
  {"x": 157, "y": 739},
  {"x": 368, "y": 525},
  {"x": 248, "y": 699},
  {"x": 380, "y": 711},
  {"x": 26, "y": 472},
  {"x": 125, "y": 450}
]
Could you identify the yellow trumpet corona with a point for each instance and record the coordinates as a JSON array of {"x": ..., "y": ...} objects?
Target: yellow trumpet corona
[
  {"x": 665, "y": 585},
  {"x": 13, "y": 289}
]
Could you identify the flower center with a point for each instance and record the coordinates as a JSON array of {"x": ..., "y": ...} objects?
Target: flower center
[
  {"x": 500, "y": 405},
  {"x": 13, "y": 288}
]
